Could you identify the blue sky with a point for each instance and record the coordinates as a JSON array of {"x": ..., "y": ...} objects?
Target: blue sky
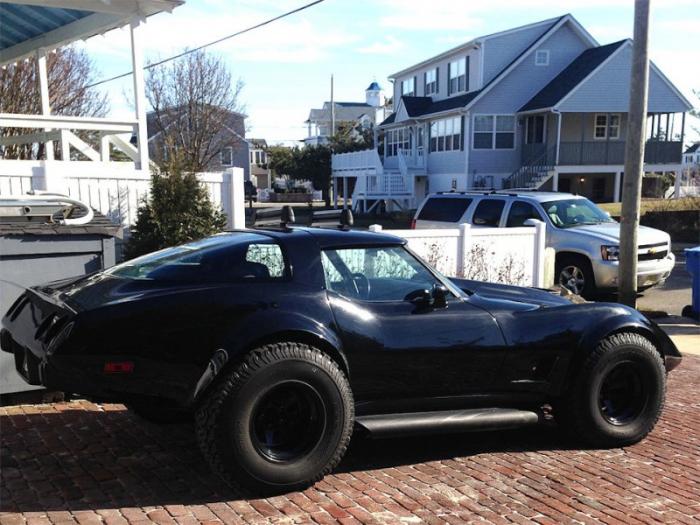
[{"x": 286, "y": 66}]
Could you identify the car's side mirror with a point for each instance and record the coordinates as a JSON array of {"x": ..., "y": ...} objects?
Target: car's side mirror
[
  {"x": 421, "y": 298},
  {"x": 531, "y": 222},
  {"x": 440, "y": 293},
  {"x": 607, "y": 213}
]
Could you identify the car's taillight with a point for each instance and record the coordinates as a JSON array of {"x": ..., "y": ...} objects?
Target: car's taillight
[{"x": 413, "y": 224}]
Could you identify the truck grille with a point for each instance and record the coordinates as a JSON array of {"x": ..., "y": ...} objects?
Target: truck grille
[{"x": 652, "y": 252}]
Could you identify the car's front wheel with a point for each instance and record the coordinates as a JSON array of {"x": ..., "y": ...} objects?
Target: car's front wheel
[
  {"x": 617, "y": 395},
  {"x": 279, "y": 421}
]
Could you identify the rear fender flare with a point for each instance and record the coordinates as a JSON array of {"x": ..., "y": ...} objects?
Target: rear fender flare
[{"x": 265, "y": 329}]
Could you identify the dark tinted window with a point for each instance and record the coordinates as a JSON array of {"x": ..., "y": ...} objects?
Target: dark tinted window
[
  {"x": 488, "y": 212},
  {"x": 238, "y": 257},
  {"x": 520, "y": 212},
  {"x": 446, "y": 210}
]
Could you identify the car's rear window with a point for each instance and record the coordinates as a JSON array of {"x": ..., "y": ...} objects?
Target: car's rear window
[
  {"x": 444, "y": 209},
  {"x": 237, "y": 257},
  {"x": 488, "y": 212}
]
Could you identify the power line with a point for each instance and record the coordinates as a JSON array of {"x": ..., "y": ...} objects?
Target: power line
[{"x": 232, "y": 35}]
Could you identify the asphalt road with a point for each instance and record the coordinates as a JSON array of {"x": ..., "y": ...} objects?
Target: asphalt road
[{"x": 674, "y": 294}]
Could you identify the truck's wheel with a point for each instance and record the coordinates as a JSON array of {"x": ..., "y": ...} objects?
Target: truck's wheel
[
  {"x": 574, "y": 272},
  {"x": 278, "y": 422},
  {"x": 617, "y": 396}
]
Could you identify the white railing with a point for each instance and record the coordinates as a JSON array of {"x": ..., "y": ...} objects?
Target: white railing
[
  {"x": 413, "y": 159},
  {"x": 365, "y": 161},
  {"x": 60, "y": 129},
  {"x": 502, "y": 255},
  {"x": 115, "y": 190}
]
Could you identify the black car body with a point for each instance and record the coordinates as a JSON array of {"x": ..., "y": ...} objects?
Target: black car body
[{"x": 165, "y": 334}]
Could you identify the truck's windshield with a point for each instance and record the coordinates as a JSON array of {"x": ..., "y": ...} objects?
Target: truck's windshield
[{"x": 567, "y": 213}]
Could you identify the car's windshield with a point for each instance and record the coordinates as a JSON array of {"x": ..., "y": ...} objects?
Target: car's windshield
[
  {"x": 221, "y": 258},
  {"x": 567, "y": 213}
]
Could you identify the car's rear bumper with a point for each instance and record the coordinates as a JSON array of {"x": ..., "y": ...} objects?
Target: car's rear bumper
[{"x": 649, "y": 273}]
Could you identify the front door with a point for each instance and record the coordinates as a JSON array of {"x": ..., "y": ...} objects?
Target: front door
[{"x": 399, "y": 348}]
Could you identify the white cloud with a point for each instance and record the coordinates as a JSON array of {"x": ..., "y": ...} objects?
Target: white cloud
[{"x": 388, "y": 46}]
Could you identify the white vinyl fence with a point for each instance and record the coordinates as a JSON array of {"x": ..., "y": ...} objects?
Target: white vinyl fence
[
  {"x": 115, "y": 192},
  {"x": 500, "y": 255}
]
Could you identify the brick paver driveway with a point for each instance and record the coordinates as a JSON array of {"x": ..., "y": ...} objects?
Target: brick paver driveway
[{"x": 78, "y": 462}]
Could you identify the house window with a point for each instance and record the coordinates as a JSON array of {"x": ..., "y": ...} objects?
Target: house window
[
  {"x": 408, "y": 87},
  {"x": 446, "y": 134},
  {"x": 606, "y": 126},
  {"x": 534, "y": 129},
  {"x": 431, "y": 82},
  {"x": 494, "y": 132},
  {"x": 226, "y": 156},
  {"x": 542, "y": 57},
  {"x": 396, "y": 139},
  {"x": 457, "y": 76}
]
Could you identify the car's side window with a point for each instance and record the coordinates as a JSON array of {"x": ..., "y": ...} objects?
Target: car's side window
[
  {"x": 267, "y": 255},
  {"x": 375, "y": 274},
  {"x": 521, "y": 211},
  {"x": 488, "y": 212}
]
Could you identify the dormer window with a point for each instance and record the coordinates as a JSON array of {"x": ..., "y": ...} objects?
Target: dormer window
[
  {"x": 542, "y": 57},
  {"x": 408, "y": 87},
  {"x": 431, "y": 82},
  {"x": 458, "y": 79}
]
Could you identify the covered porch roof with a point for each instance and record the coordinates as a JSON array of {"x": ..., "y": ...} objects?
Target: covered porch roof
[{"x": 30, "y": 25}]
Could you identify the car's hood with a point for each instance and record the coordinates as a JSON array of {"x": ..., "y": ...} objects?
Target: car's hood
[
  {"x": 610, "y": 232},
  {"x": 519, "y": 294}
]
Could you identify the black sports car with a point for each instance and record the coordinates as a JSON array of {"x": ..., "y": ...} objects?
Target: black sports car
[{"x": 282, "y": 341}]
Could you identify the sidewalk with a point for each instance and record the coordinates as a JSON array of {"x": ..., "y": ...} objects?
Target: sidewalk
[{"x": 684, "y": 332}]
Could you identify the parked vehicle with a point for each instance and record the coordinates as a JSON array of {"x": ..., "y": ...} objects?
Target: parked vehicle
[
  {"x": 281, "y": 341},
  {"x": 586, "y": 239}
]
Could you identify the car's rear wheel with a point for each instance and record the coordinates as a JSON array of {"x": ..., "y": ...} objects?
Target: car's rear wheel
[
  {"x": 617, "y": 396},
  {"x": 280, "y": 421},
  {"x": 575, "y": 273}
]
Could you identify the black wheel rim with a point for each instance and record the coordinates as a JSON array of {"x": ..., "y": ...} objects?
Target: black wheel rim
[
  {"x": 288, "y": 421},
  {"x": 623, "y": 395}
]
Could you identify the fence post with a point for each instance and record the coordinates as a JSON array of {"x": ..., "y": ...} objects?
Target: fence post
[
  {"x": 375, "y": 227},
  {"x": 463, "y": 242},
  {"x": 538, "y": 255},
  {"x": 236, "y": 198}
]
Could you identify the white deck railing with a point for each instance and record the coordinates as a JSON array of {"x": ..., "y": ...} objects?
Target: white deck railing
[
  {"x": 365, "y": 161},
  {"x": 61, "y": 129}
]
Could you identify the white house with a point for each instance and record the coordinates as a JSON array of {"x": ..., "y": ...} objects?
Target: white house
[{"x": 363, "y": 115}]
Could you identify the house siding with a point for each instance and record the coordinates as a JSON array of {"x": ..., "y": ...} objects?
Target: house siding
[
  {"x": 474, "y": 69},
  {"x": 513, "y": 91},
  {"x": 608, "y": 89},
  {"x": 501, "y": 50}
]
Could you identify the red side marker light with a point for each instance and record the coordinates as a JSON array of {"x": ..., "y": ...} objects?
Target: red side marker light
[{"x": 119, "y": 367}]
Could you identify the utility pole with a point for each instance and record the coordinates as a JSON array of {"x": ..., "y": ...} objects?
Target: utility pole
[
  {"x": 634, "y": 155},
  {"x": 332, "y": 109}
]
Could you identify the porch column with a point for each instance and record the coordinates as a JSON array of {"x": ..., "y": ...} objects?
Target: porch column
[
  {"x": 345, "y": 193},
  {"x": 616, "y": 186},
  {"x": 136, "y": 30},
  {"x": 555, "y": 181},
  {"x": 558, "y": 141},
  {"x": 44, "y": 95},
  {"x": 335, "y": 193},
  {"x": 677, "y": 184}
]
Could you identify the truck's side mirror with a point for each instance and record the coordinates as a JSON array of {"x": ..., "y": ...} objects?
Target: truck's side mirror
[
  {"x": 531, "y": 222},
  {"x": 440, "y": 294}
]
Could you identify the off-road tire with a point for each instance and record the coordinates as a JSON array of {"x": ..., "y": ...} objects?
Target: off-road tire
[
  {"x": 225, "y": 420},
  {"x": 580, "y": 410},
  {"x": 584, "y": 264}
]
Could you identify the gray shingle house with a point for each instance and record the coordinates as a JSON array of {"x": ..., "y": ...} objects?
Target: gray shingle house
[
  {"x": 232, "y": 148},
  {"x": 542, "y": 106}
]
